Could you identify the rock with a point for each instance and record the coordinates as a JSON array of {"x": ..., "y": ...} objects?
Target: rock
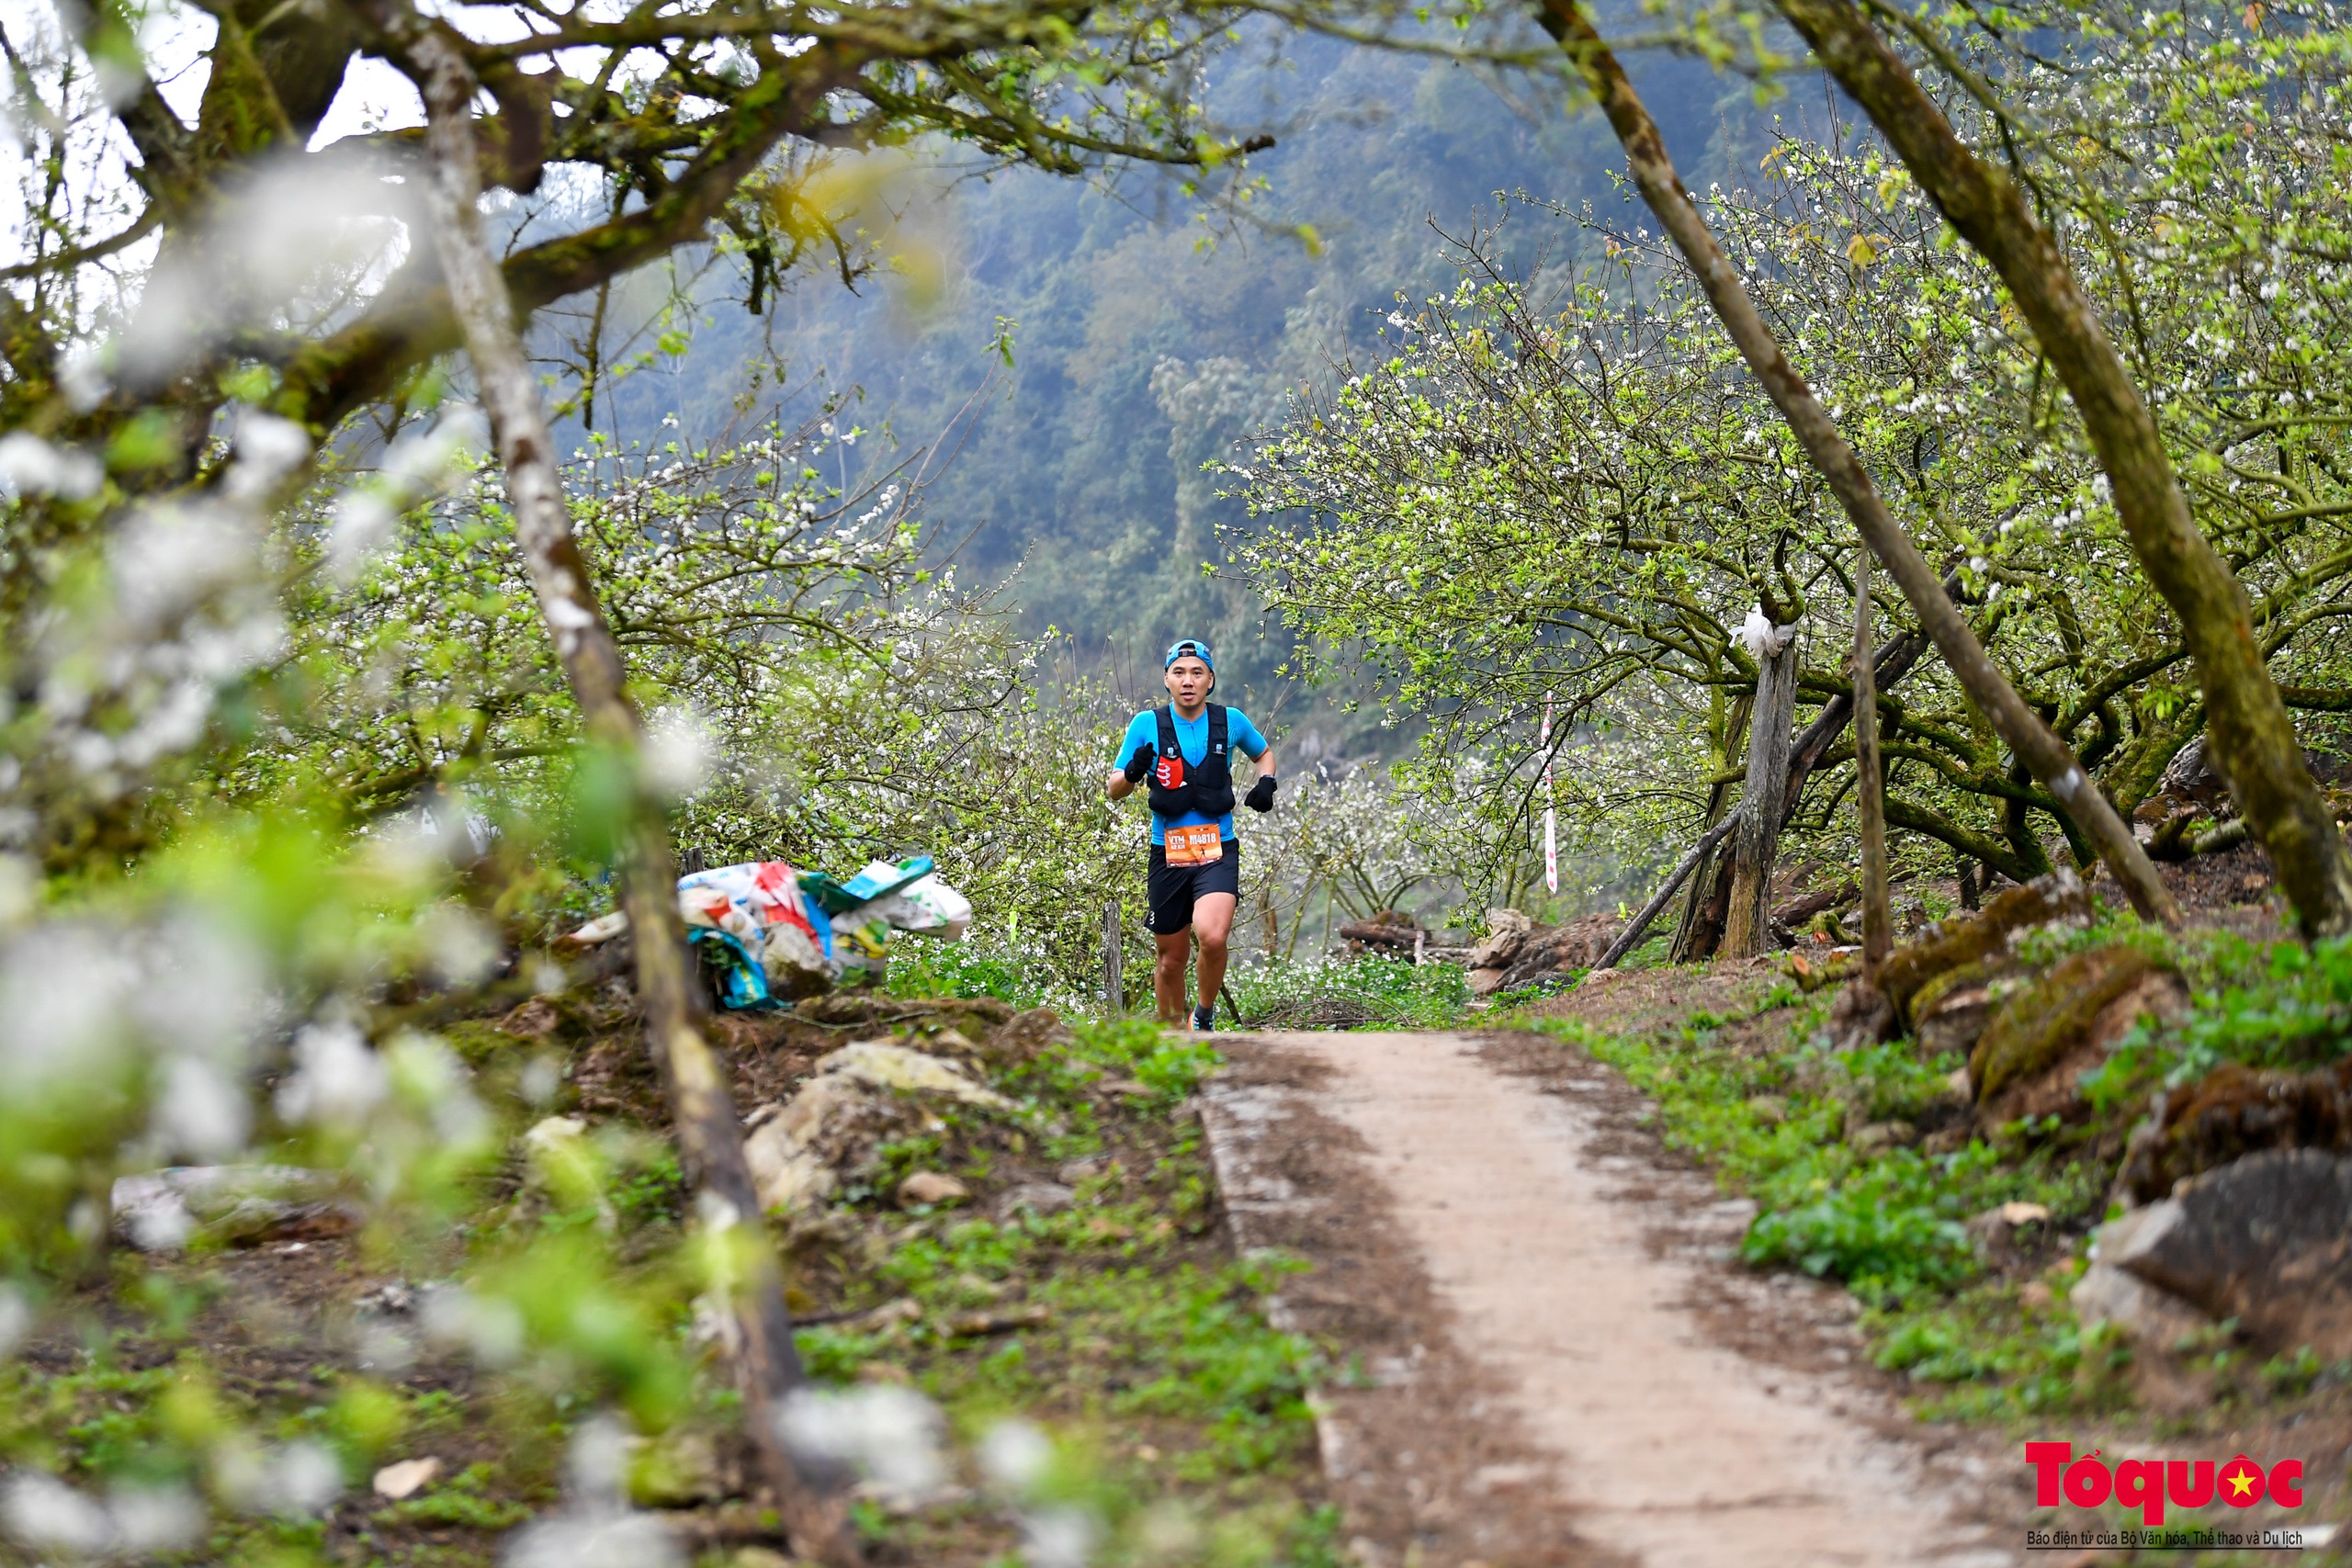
[
  {"x": 1879, "y": 1137},
  {"x": 2045, "y": 1036},
  {"x": 951, "y": 1041},
  {"x": 552, "y": 1131},
  {"x": 1486, "y": 981},
  {"x": 1039, "y": 1197},
  {"x": 1507, "y": 932},
  {"x": 395, "y": 1481},
  {"x": 1576, "y": 945},
  {"x": 535, "y": 1020},
  {"x": 1953, "y": 1024},
  {"x": 1947, "y": 1140},
  {"x": 1950, "y": 1011},
  {"x": 1861, "y": 1015},
  {"x": 2236, "y": 1111},
  {"x": 2266, "y": 1240},
  {"x": 678, "y": 1469},
  {"x": 1079, "y": 1170},
  {"x": 1997, "y": 1231},
  {"x": 1768, "y": 1109},
  {"x": 165, "y": 1211},
  {"x": 907, "y": 1071},
  {"x": 1965, "y": 940},
  {"x": 2163, "y": 1331},
  {"x": 2152, "y": 1318},
  {"x": 932, "y": 1187},
  {"x": 2035, "y": 1295},
  {"x": 1025, "y": 1034},
  {"x": 862, "y": 1093}
]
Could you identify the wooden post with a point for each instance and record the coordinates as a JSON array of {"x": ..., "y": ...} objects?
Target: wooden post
[
  {"x": 1878, "y": 922},
  {"x": 1755, "y": 837},
  {"x": 1114, "y": 989}
]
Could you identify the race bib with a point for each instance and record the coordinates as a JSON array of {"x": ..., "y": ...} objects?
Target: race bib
[{"x": 1195, "y": 846}]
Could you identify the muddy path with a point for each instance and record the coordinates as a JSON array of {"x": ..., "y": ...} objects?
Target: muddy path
[{"x": 1551, "y": 1356}]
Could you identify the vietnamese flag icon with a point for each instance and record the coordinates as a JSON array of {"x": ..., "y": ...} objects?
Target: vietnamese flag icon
[{"x": 2240, "y": 1483}]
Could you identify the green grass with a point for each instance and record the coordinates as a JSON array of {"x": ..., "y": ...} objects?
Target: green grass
[{"x": 1359, "y": 992}]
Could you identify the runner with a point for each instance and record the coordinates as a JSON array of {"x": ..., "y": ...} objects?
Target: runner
[{"x": 1195, "y": 859}]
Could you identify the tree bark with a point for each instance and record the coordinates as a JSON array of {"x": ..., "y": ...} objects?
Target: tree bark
[
  {"x": 767, "y": 1366},
  {"x": 1896, "y": 660},
  {"x": 1756, "y": 839},
  {"x": 2254, "y": 742},
  {"x": 2018, "y": 725},
  {"x": 1869, "y": 797}
]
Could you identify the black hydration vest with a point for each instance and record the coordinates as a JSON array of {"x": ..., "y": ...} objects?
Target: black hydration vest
[{"x": 1178, "y": 786}]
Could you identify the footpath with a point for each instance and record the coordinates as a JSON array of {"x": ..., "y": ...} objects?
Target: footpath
[{"x": 1552, "y": 1356}]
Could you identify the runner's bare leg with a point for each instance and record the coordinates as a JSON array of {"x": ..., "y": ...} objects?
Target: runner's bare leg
[
  {"x": 1213, "y": 923},
  {"x": 1167, "y": 973}
]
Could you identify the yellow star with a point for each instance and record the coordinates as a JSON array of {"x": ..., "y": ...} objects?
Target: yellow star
[{"x": 2240, "y": 1482}]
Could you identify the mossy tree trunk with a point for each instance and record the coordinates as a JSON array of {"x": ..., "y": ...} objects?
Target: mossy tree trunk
[
  {"x": 2033, "y": 742},
  {"x": 1756, "y": 841},
  {"x": 2255, "y": 743}
]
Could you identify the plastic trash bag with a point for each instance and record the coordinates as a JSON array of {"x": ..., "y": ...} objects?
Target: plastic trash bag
[
  {"x": 770, "y": 939},
  {"x": 775, "y": 934}
]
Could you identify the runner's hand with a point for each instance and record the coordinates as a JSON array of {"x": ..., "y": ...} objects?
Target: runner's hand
[
  {"x": 1140, "y": 763},
  {"x": 1261, "y": 794}
]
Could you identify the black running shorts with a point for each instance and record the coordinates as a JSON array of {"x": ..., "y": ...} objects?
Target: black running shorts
[{"x": 1175, "y": 887}]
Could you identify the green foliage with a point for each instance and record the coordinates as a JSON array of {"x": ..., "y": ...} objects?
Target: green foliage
[
  {"x": 460, "y": 1500},
  {"x": 2274, "y": 1004},
  {"x": 1361, "y": 991}
]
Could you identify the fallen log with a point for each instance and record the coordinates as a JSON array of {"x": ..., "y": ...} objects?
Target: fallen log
[{"x": 1382, "y": 933}]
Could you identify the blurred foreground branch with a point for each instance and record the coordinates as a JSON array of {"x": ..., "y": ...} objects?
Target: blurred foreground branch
[{"x": 767, "y": 1366}]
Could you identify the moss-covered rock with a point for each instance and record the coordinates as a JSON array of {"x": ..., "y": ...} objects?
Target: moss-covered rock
[
  {"x": 1950, "y": 1012},
  {"x": 1949, "y": 944},
  {"x": 2068, "y": 1020},
  {"x": 2235, "y": 1111}
]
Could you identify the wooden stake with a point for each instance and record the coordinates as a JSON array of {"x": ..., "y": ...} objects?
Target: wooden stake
[
  {"x": 1878, "y": 920},
  {"x": 1115, "y": 987}
]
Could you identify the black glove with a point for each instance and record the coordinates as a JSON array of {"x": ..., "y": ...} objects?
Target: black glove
[
  {"x": 1261, "y": 794},
  {"x": 1140, "y": 763}
]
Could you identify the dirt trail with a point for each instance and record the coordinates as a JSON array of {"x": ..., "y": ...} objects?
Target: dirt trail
[{"x": 1685, "y": 1411}]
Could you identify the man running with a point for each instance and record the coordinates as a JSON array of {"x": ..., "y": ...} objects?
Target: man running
[{"x": 1187, "y": 749}]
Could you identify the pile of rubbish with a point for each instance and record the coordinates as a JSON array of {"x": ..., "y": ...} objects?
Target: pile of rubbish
[
  {"x": 1519, "y": 953},
  {"x": 770, "y": 935}
]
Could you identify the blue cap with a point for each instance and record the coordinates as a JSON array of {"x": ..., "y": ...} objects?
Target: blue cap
[{"x": 1189, "y": 645}]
